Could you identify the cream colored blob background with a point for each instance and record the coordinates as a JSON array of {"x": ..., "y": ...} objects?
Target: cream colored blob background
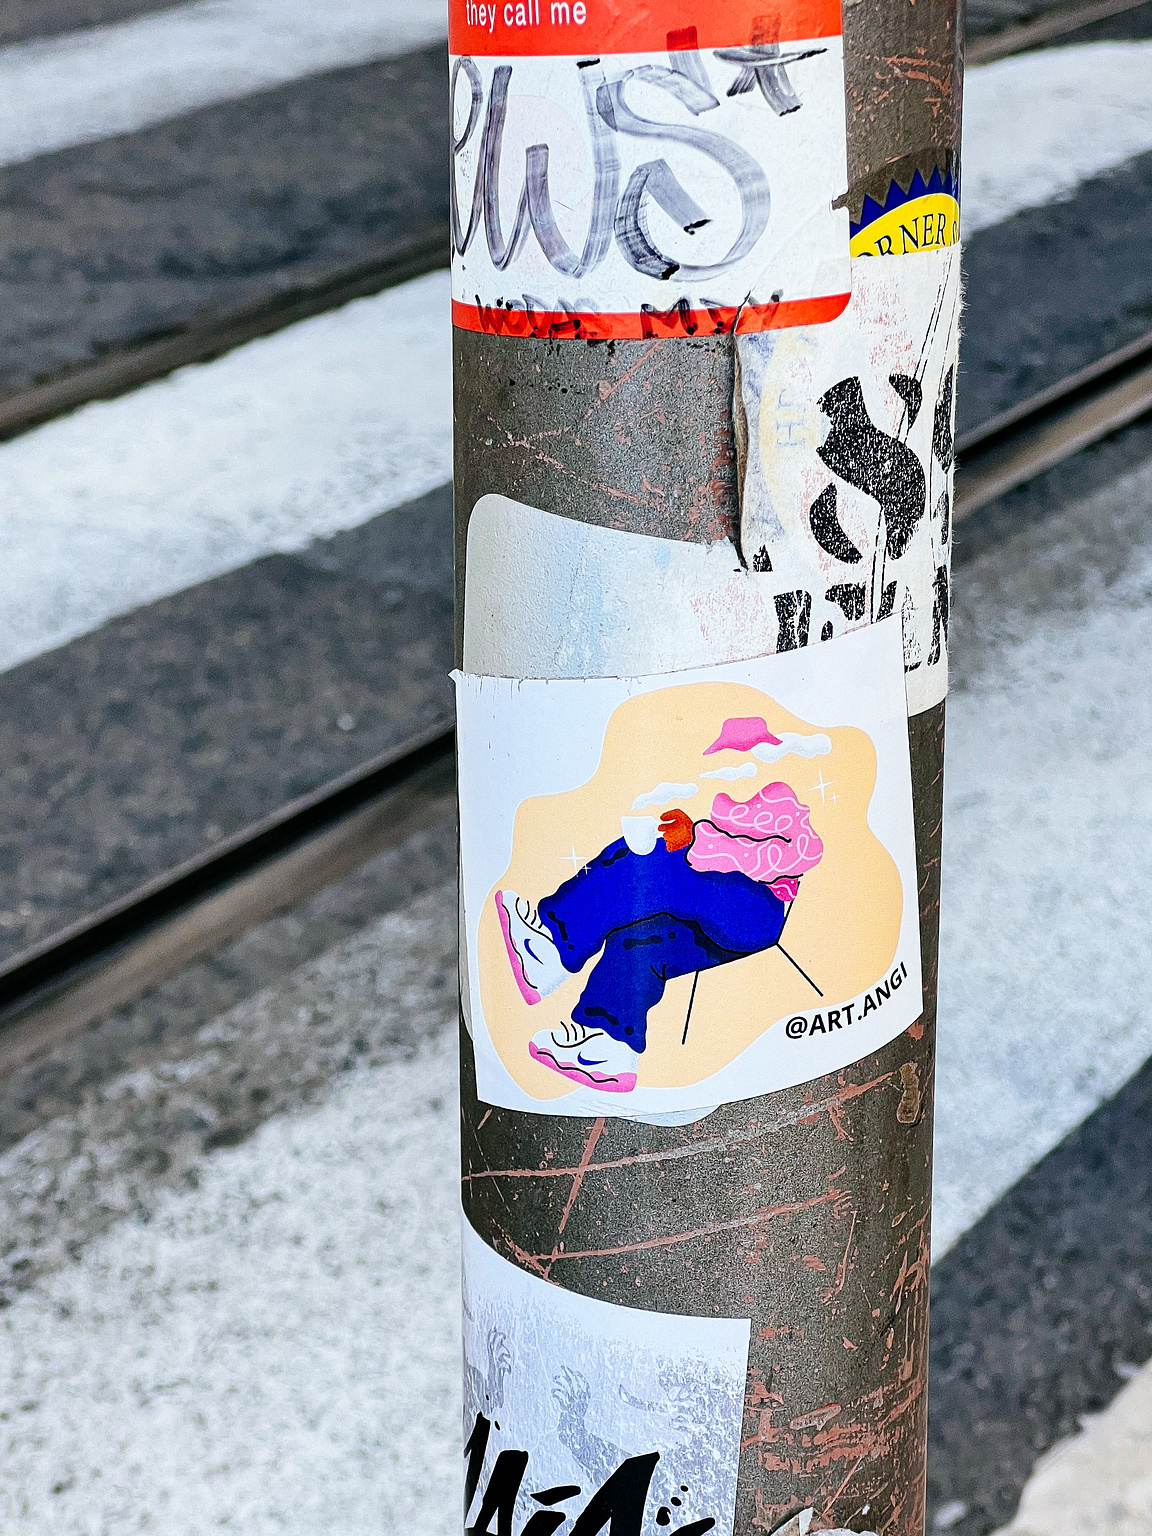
[{"x": 843, "y": 929}]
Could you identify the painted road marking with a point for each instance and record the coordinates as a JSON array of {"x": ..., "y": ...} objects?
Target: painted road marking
[
  {"x": 276, "y": 1346},
  {"x": 1043, "y": 971},
  {"x": 1097, "y": 1480},
  {"x": 282, "y": 441},
  {"x": 1038, "y": 124},
  {"x": 109, "y": 80}
]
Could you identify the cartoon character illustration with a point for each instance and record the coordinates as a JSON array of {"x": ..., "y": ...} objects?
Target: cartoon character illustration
[{"x": 708, "y": 892}]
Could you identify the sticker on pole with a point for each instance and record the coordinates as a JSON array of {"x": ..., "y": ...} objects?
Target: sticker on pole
[
  {"x": 612, "y": 1417},
  {"x": 846, "y": 512},
  {"x": 687, "y": 890},
  {"x": 617, "y": 175}
]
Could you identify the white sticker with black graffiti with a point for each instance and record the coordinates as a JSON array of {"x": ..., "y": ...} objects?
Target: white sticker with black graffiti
[
  {"x": 616, "y": 175},
  {"x": 847, "y": 490},
  {"x": 578, "y": 1410}
]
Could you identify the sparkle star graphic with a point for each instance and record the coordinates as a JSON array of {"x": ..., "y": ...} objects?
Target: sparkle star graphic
[{"x": 823, "y": 786}]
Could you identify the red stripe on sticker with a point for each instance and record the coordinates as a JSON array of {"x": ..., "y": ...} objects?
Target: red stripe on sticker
[
  {"x": 519, "y": 318},
  {"x": 584, "y": 28}
]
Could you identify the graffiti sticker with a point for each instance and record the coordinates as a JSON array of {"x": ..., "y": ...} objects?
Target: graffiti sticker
[
  {"x": 685, "y": 890},
  {"x": 615, "y": 175},
  {"x": 613, "y": 1417},
  {"x": 847, "y": 504}
]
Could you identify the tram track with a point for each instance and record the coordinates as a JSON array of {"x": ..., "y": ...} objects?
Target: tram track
[
  {"x": 211, "y": 336},
  {"x": 76, "y": 976},
  {"x": 1047, "y": 27},
  {"x": 73, "y": 978},
  {"x": 83, "y": 972},
  {"x": 1049, "y": 427}
]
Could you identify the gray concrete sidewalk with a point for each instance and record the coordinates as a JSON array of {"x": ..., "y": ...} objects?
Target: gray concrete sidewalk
[
  {"x": 266, "y": 1337},
  {"x": 230, "y": 1238}
]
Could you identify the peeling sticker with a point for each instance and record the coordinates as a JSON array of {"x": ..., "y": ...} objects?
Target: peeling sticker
[
  {"x": 612, "y": 1417},
  {"x": 924, "y": 216},
  {"x": 617, "y": 174},
  {"x": 740, "y": 941},
  {"x": 846, "y": 504},
  {"x": 908, "y": 1110}
]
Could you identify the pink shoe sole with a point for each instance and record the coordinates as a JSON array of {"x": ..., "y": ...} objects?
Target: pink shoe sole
[
  {"x": 528, "y": 993},
  {"x": 624, "y": 1082}
]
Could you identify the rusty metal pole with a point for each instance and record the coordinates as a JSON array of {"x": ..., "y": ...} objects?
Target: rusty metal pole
[{"x": 804, "y": 1210}]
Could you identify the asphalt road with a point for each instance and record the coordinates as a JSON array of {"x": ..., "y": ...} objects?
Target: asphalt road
[{"x": 232, "y": 585}]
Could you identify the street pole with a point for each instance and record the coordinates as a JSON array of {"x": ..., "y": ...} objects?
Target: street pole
[{"x": 681, "y": 447}]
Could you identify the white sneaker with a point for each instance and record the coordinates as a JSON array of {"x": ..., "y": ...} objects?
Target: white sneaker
[
  {"x": 587, "y": 1056},
  {"x": 532, "y": 951}
]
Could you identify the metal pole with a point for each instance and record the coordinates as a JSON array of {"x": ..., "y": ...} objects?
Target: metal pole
[{"x": 592, "y": 413}]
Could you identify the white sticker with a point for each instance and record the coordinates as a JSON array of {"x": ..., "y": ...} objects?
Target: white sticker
[
  {"x": 685, "y": 890},
  {"x": 621, "y": 174},
  {"x": 847, "y": 487},
  {"x": 609, "y": 1414}
]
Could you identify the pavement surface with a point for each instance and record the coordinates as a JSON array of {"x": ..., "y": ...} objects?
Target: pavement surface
[
  {"x": 1099, "y": 1479},
  {"x": 115, "y": 243},
  {"x": 160, "y": 692},
  {"x": 267, "y": 1340},
  {"x": 157, "y": 736},
  {"x": 264, "y": 1102},
  {"x": 228, "y": 1272}
]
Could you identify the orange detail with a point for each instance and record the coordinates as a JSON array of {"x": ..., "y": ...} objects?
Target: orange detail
[
  {"x": 679, "y": 320},
  {"x": 540, "y": 28},
  {"x": 676, "y": 830}
]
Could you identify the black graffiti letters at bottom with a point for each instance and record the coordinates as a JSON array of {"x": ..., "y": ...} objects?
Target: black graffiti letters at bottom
[
  {"x": 616, "y": 1508},
  {"x": 544, "y": 1522},
  {"x": 474, "y": 1450},
  {"x": 499, "y": 1499},
  {"x": 618, "y": 1504}
]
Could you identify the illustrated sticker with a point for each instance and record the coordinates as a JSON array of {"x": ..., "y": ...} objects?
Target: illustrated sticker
[
  {"x": 924, "y": 216},
  {"x": 612, "y": 1417},
  {"x": 686, "y": 890},
  {"x": 847, "y": 503},
  {"x": 619, "y": 174}
]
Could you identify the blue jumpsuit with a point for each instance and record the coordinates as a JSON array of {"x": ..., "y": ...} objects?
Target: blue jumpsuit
[{"x": 655, "y": 917}]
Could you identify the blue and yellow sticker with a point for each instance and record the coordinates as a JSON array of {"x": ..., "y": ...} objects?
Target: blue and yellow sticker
[{"x": 923, "y": 218}]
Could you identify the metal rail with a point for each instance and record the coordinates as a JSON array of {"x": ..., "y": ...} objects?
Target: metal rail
[
  {"x": 147, "y": 935},
  {"x": 158, "y": 929},
  {"x": 1048, "y": 27},
  {"x": 1051, "y": 426},
  {"x": 210, "y": 337}
]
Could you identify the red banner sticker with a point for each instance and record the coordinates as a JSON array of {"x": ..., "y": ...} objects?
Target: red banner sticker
[
  {"x": 615, "y": 178},
  {"x": 584, "y": 27}
]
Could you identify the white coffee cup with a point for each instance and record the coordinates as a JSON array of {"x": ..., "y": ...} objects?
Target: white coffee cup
[{"x": 640, "y": 832}]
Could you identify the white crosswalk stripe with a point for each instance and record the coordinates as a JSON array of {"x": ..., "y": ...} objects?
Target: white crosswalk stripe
[
  {"x": 1048, "y": 814},
  {"x": 117, "y": 79},
  {"x": 1038, "y": 124},
  {"x": 289, "y": 438}
]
